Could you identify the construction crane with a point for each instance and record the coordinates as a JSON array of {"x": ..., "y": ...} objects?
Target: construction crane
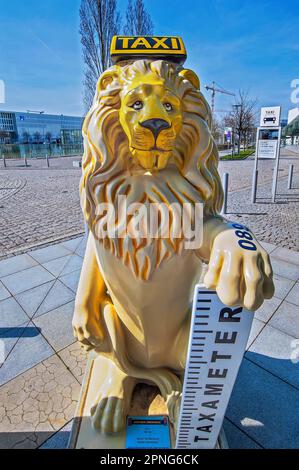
[
  {"x": 215, "y": 90},
  {"x": 227, "y": 111},
  {"x": 35, "y": 112}
]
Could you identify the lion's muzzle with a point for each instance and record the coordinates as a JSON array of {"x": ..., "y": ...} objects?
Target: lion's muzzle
[{"x": 155, "y": 126}]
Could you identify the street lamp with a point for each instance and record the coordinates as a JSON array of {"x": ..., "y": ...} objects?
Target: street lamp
[{"x": 236, "y": 106}]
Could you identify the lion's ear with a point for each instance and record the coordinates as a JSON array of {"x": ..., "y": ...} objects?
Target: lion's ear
[
  {"x": 191, "y": 77},
  {"x": 106, "y": 79}
]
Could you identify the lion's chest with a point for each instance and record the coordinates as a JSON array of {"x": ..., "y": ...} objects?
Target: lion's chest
[{"x": 153, "y": 311}]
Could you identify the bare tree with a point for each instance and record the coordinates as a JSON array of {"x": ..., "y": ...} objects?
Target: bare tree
[
  {"x": 37, "y": 137},
  {"x": 99, "y": 21},
  {"x": 138, "y": 20},
  {"x": 242, "y": 118},
  {"x": 217, "y": 130},
  {"x": 48, "y": 137},
  {"x": 26, "y": 137}
]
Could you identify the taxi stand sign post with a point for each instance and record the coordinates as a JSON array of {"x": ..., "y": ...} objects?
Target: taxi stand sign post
[
  {"x": 267, "y": 142},
  {"x": 274, "y": 184},
  {"x": 268, "y": 139},
  {"x": 270, "y": 116}
]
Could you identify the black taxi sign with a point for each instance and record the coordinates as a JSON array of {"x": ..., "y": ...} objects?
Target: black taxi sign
[{"x": 160, "y": 47}]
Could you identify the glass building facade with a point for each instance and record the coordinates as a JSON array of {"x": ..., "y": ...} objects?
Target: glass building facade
[{"x": 35, "y": 127}]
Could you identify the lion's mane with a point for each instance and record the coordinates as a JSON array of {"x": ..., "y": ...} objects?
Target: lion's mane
[{"x": 106, "y": 150}]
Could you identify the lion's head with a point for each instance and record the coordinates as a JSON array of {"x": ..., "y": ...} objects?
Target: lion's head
[
  {"x": 146, "y": 116},
  {"x": 151, "y": 114}
]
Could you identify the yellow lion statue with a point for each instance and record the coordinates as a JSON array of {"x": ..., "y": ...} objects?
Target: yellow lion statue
[{"x": 147, "y": 141}]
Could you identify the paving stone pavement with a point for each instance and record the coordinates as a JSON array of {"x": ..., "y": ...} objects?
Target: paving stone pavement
[
  {"x": 275, "y": 223},
  {"x": 36, "y": 404},
  {"x": 44, "y": 366},
  {"x": 40, "y": 205}
]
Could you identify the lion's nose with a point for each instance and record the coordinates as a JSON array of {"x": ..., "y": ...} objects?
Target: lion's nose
[{"x": 155, "y": 125}]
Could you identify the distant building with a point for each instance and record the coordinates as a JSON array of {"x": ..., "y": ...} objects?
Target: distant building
[
  {"x": 38, "y": 127},
  {"x": 293, "y": 113},
  {"x": 291, "y": 131}
]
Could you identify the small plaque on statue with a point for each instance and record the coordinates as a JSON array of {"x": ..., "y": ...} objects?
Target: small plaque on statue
[{"x": 147, "y": 432}]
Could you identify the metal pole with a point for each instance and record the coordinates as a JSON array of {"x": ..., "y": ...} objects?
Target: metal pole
[
  {"x": 4, "y": 161},
  {"x": 275, "y": 177},
  {"x": 213, "y": 100},
  {"x": 25, "y": 160},
  {"x": 225, "y": 190},
  {"x": 255, "y": 170},
  {"x": 254, "y": 186},
  {"x": 48, "y": 162},
  {"x": 2, "y": 154},
  {"x": 290, "y": 178}
]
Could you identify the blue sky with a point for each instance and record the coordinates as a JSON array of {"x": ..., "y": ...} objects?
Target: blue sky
[{"x": 252, "y": 45}]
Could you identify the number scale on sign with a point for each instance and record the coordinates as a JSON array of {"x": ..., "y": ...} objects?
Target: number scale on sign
[{"x": 217, "y": 342}]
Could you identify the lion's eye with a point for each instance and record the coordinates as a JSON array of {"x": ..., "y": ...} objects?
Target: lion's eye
[
  {"x": 168, "y": 107},
  {"x": 137, "y": 105}
]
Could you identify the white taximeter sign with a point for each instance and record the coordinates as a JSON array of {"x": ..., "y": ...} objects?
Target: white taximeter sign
[{"x": 217, "y": 343}]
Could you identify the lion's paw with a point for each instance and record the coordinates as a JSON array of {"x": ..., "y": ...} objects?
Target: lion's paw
[{"x": 108, "y": 415}]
